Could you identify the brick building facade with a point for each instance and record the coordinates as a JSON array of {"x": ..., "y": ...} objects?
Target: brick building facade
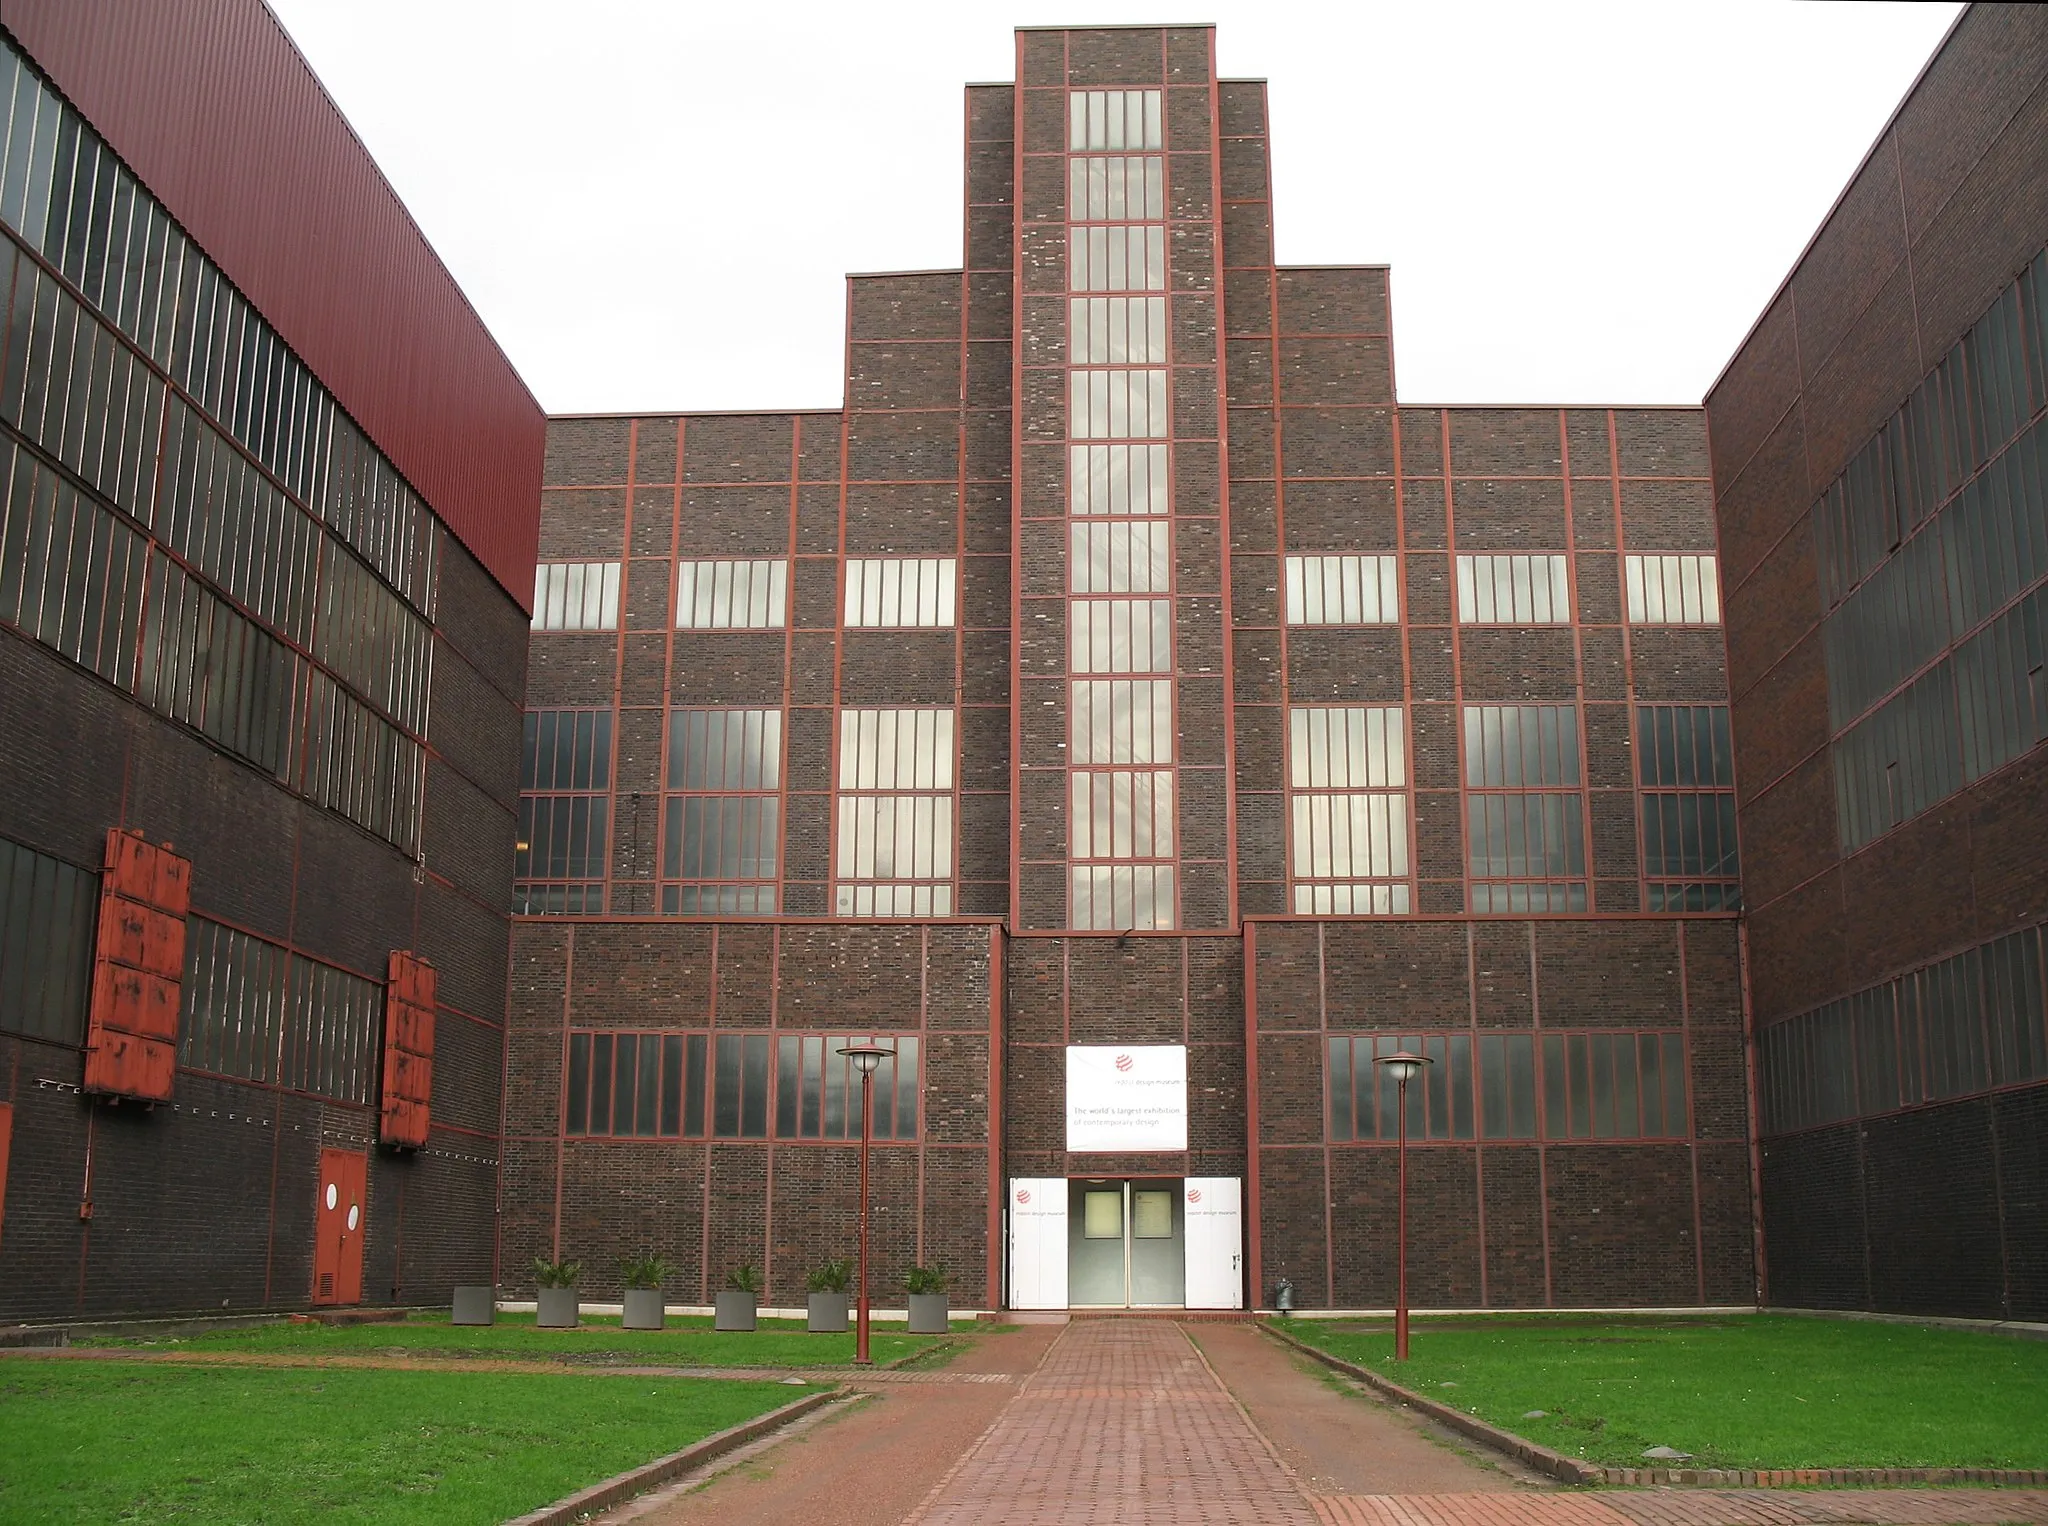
[
  {"x": 1881, "y": 512},
  {"x": 1227, "y": 711},
  {"x": 262, "y": 477}
]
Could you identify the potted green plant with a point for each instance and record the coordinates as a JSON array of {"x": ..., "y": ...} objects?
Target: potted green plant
[
  {"x": 739, "y": 1299},
  {"x": 827, "y": 1287},
  {"x": 643, "y": 1276},
  {"x": 926, "y": 1286},
  {"x": 557, "y": 1307}
]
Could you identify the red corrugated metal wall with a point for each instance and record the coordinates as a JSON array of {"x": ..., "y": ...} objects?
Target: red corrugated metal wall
[{"x": 209, "y": 102}]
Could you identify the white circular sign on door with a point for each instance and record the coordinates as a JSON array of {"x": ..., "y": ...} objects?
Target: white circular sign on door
[
  {"x": 355, "y": 1214},
  {"x": 333, "y": 1197}
]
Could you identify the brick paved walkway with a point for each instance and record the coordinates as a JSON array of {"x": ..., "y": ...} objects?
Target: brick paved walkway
[
  {"x": 1691, "y": 1507},
  {"x": 1123, "y": 1424}
]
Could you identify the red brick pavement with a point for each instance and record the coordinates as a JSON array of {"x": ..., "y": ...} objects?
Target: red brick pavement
[{"x": 1123, "y": 1424}]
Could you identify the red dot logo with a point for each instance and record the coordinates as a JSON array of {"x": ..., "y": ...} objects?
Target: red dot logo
[
  {"x": 1023, "y": 1194},
  {"x": 1123, "y": 1062},
  {"x": 1194, "y": 1194}
]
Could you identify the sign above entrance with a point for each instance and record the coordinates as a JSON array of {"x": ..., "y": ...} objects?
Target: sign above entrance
[{"x": 1127, "y": 1098}]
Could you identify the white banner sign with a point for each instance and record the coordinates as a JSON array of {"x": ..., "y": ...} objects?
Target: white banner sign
[{"x": 1125, "y": 1098}]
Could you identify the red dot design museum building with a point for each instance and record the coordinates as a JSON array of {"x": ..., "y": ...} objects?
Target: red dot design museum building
[{"x": 1122, "y": 708}]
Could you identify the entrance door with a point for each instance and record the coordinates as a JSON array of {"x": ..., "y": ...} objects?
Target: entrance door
[
  {"x": 1215, "y": 1242},
  {"x": 338, "y": 1227},
  {"x": 1038, "y": 1242},
  {"x": 1124, "y": 1240}
]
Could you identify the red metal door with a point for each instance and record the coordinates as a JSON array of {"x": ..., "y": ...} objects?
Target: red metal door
[{"x": 338, "y": 1227}]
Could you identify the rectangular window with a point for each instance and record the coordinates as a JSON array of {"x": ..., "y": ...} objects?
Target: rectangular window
[
  {"x": 1121, "y": 896},
  {"x": 1111, "y": 188},
  {"x": 895, "y": 837},
  {"x": 636, "y": 1085},
  {"x": 1673, "y": 590},
  {"x": 1122, "y": 257},
  {"x": 564, "y": 812},
  {"x": 576, "y": 596},
  {"x": 1513, "y": 590},
  {"x": 47, "y": 912},
  {"x": 1121, "y": 720},
  {"x": 1521, "y": 746},
  {"x": 732, "y": 595},
  {"x": 896, "y": 592},
  {"x": 1120, "y": 556},
  {"x": 1116, "y": 405},
  {"x": 71, "y": 574},
  {"x": 1688, "y": 776},
  {"x": 739, "y": 1099},
  {"x": 1113, "y": 119},
  {"x": 1121, "y": 813},
  {"x": 1347, "y": 776},
  {"x": 818, "y": 1090},
  {"x": 1115, "y": 331},
  {"x": 1343, "y": 590},
  {"x": 721, "y": 843},
  {"x": 1364, "y": 1099},
  {"x": 1116, "y": 479},
  {"x": 1526, "y": 837},
  {"x": 1120, "y": 636},
  {"x": 1614, "y": 1086},
  {"x": 333, "y": 1022}
]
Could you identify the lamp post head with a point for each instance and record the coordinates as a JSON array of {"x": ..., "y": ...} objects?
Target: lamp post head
[
  {"x": 1402, "y": 1065},
  {"x": 867, "y": 1057}
]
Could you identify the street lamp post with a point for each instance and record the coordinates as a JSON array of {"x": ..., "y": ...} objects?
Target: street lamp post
[
  {"x": 865, "y": 1057},
  {"x": 1404, "y": 1067}
]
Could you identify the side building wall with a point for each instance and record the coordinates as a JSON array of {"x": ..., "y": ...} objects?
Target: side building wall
[{"x": 1880, "y": 512}]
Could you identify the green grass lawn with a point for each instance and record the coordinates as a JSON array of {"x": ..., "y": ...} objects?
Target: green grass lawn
[
  {"x": 687, "y": 1342},
  {"x": 1751, "y": 1391},
  {"x": 143, "y": 1442}
]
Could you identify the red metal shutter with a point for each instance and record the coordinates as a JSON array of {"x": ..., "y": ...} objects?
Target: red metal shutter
[
  {"x": 131, "y": 1041},
  {"x": 408, "y": 1050}
]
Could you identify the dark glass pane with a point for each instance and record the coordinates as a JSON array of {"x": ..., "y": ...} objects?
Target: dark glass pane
[
  {"x": 1435, "y": 1084},
  {"x": 754, "y": 1111},
  {"x": 601, "y": 752},
  {"x": 696, "y": 1047},
  {"x": 810, "y": 1122},
  {"x": 1339, "y": 1087},
  {"x": 726, "y": 1110},
  {"x": 600, "y": 1083},
  {"x": 1522, "y": 1085},
  {"x": 1600, "y": 1047},
  {"x": 1461, "y": 1086},
  {"x": 541, "y": 730},
  {"x": 1581, "y": 1097},
  {"x": 908, "y": 1085},
  {"x": 837, "y": 1113},
  {"x": 1649, "y": 1052},
  {"x": 1673, "y": 1068},
  {"x": 625, "y": 1089},
  {"x": 645, "y": 1119},
  {"x": 671, "y": 1084},
  {"x": 1628, "y": 1120},
  {"x": 883, "y": 1087},
  {"x": 788, "y": 1086}
]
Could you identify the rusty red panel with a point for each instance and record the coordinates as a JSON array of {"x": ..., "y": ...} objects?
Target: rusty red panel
[
  {"x": 408, "y": 1050},
  {"x": 213, "y": 107},
  {"x": 6, "y": 1139},
  {"x": 131, "y": 1041}
]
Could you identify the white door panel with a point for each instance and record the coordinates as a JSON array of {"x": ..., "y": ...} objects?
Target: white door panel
[
  {"x": 1214, "y": 1242},
  {"x": 1038, "y": 1242}
]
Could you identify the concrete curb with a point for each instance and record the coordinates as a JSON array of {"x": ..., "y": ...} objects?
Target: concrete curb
[
  {"x": 623, "y": 1486},
  {"x": 1568, "y": 1469},
  {"x": 1573, "y": 1471}
]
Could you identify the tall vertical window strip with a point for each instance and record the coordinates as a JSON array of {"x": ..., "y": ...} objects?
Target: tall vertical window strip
[
  {"x": 1343, "y": 590},
  {"x": 732, "y": 595},
  {"x": 1971, "y": 1023},
  {"x": 1513, "y": 590},
  {"x": 254, "y": 1010},
  {"x": 564, "y": 812},
  {"x": 576, "y": 596},
  {"x": 1932, "y": 548},
  {"x": 897, "y": 592},
  {"x": 1122, "y": 789},
  {"x": 1524, "y": 814},
  {"x": 1347, "y": 778},
  {"x": 722, "y": 837},
  {"x": 46, "y": 944},
  {"x": 1672, "y": 590},
  {"x": 895, "y": 838},
  {"x": 1687, "y": 767}
]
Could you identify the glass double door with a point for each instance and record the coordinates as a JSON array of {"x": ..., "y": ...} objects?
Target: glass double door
[{"x": 1126, "y": 1243}]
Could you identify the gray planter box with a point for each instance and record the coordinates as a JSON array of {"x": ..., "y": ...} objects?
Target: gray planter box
[
  {"x": 828, "y": 1311},
  {"x": 475, "y": 1306},
  {"x": 735, "y": 1310},
  {"x": 928, "y": 1314},
  {"x": 643, "y": 1309},
  {"x": 558, "y": 1309}
]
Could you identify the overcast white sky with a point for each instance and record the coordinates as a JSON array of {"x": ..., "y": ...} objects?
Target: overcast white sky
[{"x": 653, "y": 205}]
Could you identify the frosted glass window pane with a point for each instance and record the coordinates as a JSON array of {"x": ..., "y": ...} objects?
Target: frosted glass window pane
[
  {"x": 901, "y": 592},
  {"x": 1673, "y": 590},
  {"x": 1513, "y": 590},
  {"x": 1343, "y": 590},
  {"x": 576, "y": 596},
  {"x": 732, "y": 595}
]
